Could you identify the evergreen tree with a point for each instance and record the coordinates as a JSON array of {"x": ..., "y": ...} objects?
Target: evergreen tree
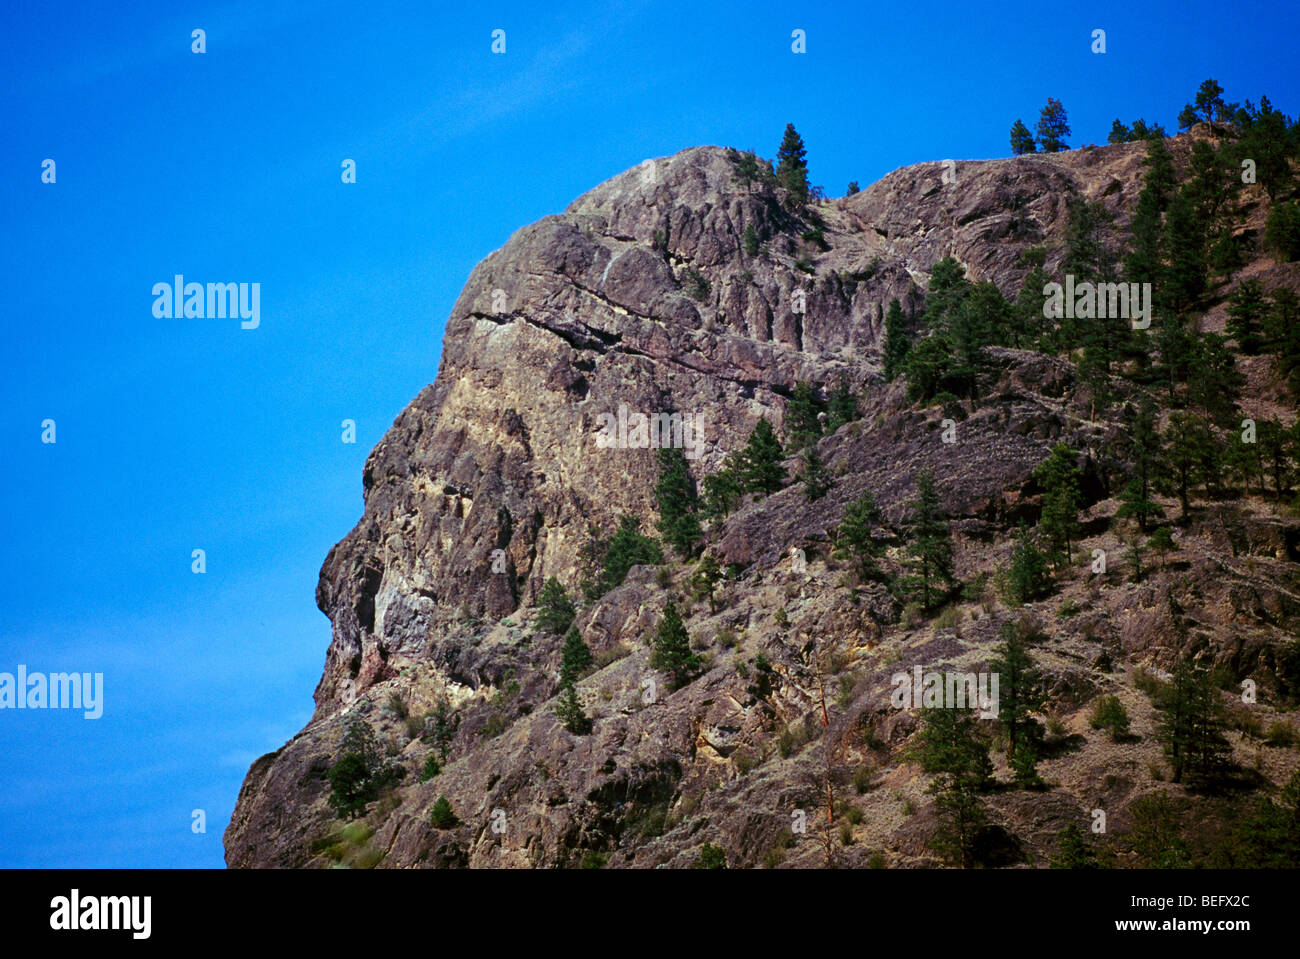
[
  {"x": 747, "y": 169},
  {"x": 1184, "y": 438},
  {"x": 1143, "y": 447},
  {"x": 802, "y": 425},
  {"x": 672, "y": 648},
  {"x": 842, "y": 407},
  {"x": 1060, "y": 478},
  {"x": 705, "y": 579},
  {"x": 576, "y": 658},
  {"x": 853, "y": 188},
  {"x": 791, "y": 167},
  {"x": 1282, "y": 335},
  {"x": 1027, "y": 578},
  {"x": 1075, "y": 851},
  {"x": 628, "y": 547},
  {"x": 1020, "y": 693},
  {"x": 1282, "y": 231},
  {"x": 722, "y": 492},
  {"x": 1162, "y": 541},
  {"x": 1053, "y": 127},
  {"x": 1119, "y": 132},
  {"x": 930, "y": 548},
  {"x": 948, "y": 289},
  {"x": 1144, "y": 262},
  {"x": 817, "y": 479},
  {"x": 1267, "y": 138},
  {"x": 854, "y": 538},
  {"x": 1214, "y": 383},
  {"x": 760, "y": 461},
  {"x": 555, "y": 609},
  {"x": 949, "y": 746},
  {"x": 1027, "y": 321},
  {"x": 1246, "y": 310},
  {"x": 1022, "y": 141},
  {"x": 897, "y": 340},
  {"x": 1275, "y": 449},
  {"x": 441, "y": 815},
  {"x": 1192, "y": 724},
  {"x": 750, "y": 240},
  {"x": 1110, "y": 714},
  {"x": 360, "y": 772},
  {"x": 679, "y": 522},
  {"x": 569, "y": 710},
  {"x": 1184, "y": 277}
]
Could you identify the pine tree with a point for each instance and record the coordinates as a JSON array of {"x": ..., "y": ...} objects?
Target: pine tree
[
  {"x": 1053, "y": 127},
  {"x": 1162, "y": 541},
  {"x": 1184, "y": 276},
  {"x": 1143, "y": 447},
  {"x": 441, "y": 815},
  {"x": 802, "y": 425},
  {"x": 1268, "y": 138},
  {"x": 853, "y": 188},
  {"x": 1022, "y": 141},
  {"x": 1027, "y": 321},
  {"x": 897, "y": 340},
  {"x": 1020, "y": 693},
  {"x": 841, "y": 407},
  {"x": 1282, "y": 231},
  {"x": 1246, "y": 311},
  {"x": 672, "y": 648},
  {"x": 817, "y": 479},
  {"x": 854, "y": 538},
  {"x": 1027, "y": 578},
  {"x": 930, "y": 548},
  {"x": 1213, "y": 382},
  {"x": 1060, "y": 478},
  {"x": 1119, "y": 132},
  {"x": 1275, "y": 449},
  {"x": 950, "y": 746},
  {"x": 576, "y": 658},
  {"x": 791, "y": 167},
  {"x": 722, "y": 492},
  {"x": 1192, "y": 724},
  {"x": 679, "y": 522},
  {"x": 569, "y": 710},
  {"x": 747, "y": 168},
  {"x": 948, "y": 289},
  {"x": 1075, "y": 852},
  {"x": 705, "y": 579},
  {"x": 750, "y": 240},
  {"x": 628, "y": 547},
  {"x": 556, "y": 610},
  {"x": 760, "y": 461},
  {"x": 1184, "y": 438}
]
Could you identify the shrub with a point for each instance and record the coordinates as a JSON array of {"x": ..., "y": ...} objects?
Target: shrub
[
  {"x": 711, "y": 857},
  {"x": 1110, "y": 714},
  {"x": 442, "y": 817},
  {"x": 431, "y": 767},
  {"x": 1282, "y": 232},
  {"x": 1280, "y": 733},
  {"x": 862, "y": 778},
  {"x": 593, "y": 859},
  {"x": 697, "y": 285}
]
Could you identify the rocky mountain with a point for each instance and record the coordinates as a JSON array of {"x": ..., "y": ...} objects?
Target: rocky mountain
[{"x": 676, "y": 287}]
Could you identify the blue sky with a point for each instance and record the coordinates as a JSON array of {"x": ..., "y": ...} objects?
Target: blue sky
[{"x": 177, "y": 434}]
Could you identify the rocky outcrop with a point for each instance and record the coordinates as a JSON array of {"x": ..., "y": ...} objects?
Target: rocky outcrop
[{"x": 641, "y": 294}]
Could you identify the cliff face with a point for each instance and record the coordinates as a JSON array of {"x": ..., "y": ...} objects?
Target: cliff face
[{"x": 641, "y": 294}]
